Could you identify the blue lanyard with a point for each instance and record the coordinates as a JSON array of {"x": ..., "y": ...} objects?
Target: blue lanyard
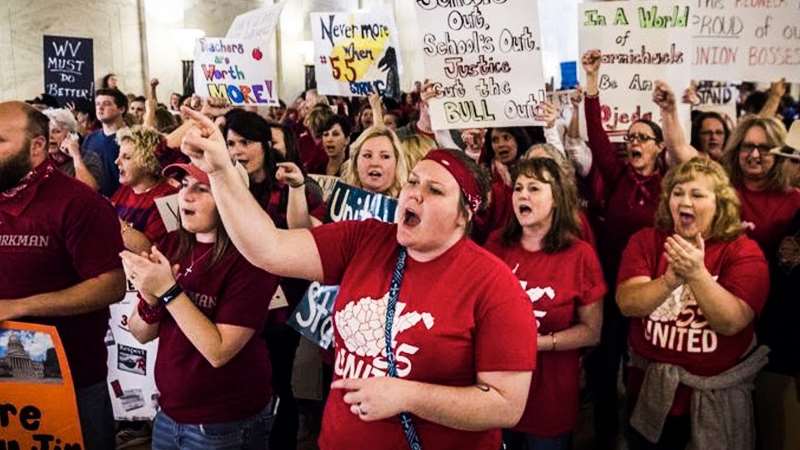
[{"x": 394, "y": 290}]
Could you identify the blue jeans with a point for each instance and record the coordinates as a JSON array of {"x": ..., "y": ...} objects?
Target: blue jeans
[{"x": 251, "y": 433}]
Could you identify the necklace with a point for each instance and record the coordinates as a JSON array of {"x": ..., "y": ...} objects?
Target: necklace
[{"x": 188, "y": 270}]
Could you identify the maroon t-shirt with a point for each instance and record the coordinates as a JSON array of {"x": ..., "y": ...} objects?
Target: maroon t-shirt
[
  {"x": 770, "y": 213},
  {"x": 55, "y": 233},
  {"x": 457, "y": 315},
  {"x": 557, "y": 285},
  {"x": 140, "y": 210},
  {"x": 232, "y": 292},
  {"x": 677, "y": 332}
]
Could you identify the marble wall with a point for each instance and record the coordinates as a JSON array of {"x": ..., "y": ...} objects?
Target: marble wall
[{"x": 112, "y": 24}]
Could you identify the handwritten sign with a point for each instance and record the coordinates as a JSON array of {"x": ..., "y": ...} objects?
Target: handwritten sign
[
  {"x": 37, "y": 407},
  {"x": 356, "y": 53},
  {"x": 719, "y": 97},
  {"x": 485, "y": 60},
  {"x": 168, "y": 210},
  {"x": 746, "y": 40},
  {"x": 641, "y": 42},
  {"x": 326, "y": 183},
  {"x": 313, "y": 317},
  {"x": 235, "y": 70},
  {"x": 256, "y": 24},
  {"x": 68, "y": 68},
  {"x": 131, "y": 364}
]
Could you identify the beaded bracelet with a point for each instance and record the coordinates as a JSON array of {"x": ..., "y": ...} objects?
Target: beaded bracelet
[{"x": 151, "y": 315}]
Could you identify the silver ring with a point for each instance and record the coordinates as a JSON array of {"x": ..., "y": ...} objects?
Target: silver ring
[{"x": 361, "y": 412}]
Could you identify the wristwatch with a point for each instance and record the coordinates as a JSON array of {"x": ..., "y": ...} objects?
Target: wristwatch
[{"x": 171, "y": 294}]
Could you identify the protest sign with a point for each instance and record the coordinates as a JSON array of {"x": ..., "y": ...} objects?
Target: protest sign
[
  {"x": 326, "y": 183},
  {"x": 256, "y": 24},
  {"x": 131, "y": 365},
  {"x": 168, "y": 210},
  {"x": 641, "y": 42},
  {"x": 485, "y": 61},
  {"x": 313, "y": 317},
  {"x": 746, "y": 40},
  {"x": 356, "y": 53},
  {"x": 68, "y": 68},
  {"x": 38, "y": 407},
  {"x": 236, "y": 70},
  {"x": 718, "y": 97}
]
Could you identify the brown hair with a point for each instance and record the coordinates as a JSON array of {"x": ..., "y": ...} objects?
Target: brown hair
[
  {"x": 187, "y": 241},
  {"x": 776, "y": 179},
  {"x": 727, "y": 224},
  {"x": 566, "y": 225}
]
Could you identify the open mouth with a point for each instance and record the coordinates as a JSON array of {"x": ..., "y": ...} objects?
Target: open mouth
[
  {"x": 375, "y": 174},
  {"x": 686, "y": 218},
  {"x": 636, "y": 153},
  {"x": 411, "y": 219},
  {"x": 524, "y": 210},
  {"x": 188, "y": 212}
]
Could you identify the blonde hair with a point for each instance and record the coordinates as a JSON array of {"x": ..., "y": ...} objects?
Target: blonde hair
[
  {"x": 145, "y": 141},
  {"x": 727, "y": 223},
  {"x": 350, "y": 175},
  {"x": 776, "y": 179},
  {"x": 416, "y": 147},
  {"x": 567, "y": 169}
]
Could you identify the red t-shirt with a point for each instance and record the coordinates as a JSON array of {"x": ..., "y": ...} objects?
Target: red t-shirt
[
  {"x": 771, "y": 212},
  {"x": 54, "y": 234},
  {"x": 677, "y": 332},
  {"x": 557, "y": 285},
  {"x": 140, "y": 210},
  {"x": 232, "y": 292},
  {"x": 460, "y": 314}
]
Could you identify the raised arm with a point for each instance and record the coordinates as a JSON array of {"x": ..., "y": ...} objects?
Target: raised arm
[
  {"x": 603, "y": 152},
  {"x": 297, "y": 213},
  {"x": 290, "y": 253},
  {"x": 776, "y": 92},
  {"x": 678, "y": 148},
  {"x": 150, "y": 105}
]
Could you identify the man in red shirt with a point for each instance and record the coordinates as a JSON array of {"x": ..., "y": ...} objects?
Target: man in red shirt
[{"x": 59, "y": 264}]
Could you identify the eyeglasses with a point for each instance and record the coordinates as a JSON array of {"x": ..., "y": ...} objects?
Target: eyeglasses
[
  {"x": 709, "y": 133},
  {"x": 638, "y": 138},
  {"x": 748, "y": 147}
]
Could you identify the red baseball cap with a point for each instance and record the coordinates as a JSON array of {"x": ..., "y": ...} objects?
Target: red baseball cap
[{"x": 178, "y": 171}]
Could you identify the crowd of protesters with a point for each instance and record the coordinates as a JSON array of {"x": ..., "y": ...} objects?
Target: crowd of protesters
[{"x": 522, "y": 262}]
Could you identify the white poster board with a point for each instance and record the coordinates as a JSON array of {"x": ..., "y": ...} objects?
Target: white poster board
[
  {"x": 256, "y": 24},
  {"x": 485, "y": 60},
  {"x": 240, "y": 71},
  {"x": 641, "y": 42},
  {"x": 719, "y": 97},
  {"x": 746, "y": 40},
  {"x": 131, "y": 365},
  {"x": 356, "y": 53}
]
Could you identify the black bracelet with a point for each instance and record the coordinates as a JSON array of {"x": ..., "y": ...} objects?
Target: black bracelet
[{"x": 171, "y": 294}]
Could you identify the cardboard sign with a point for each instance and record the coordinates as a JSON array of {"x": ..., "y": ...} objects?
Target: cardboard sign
[
  {"x": 37, "y": 404},
  {"x": 351, "y": 203},
  {"x": 313, "y": 317},
  {"x": 719, "y": 97},
  {"x": 68, "y": 68},
  {"x": 641, "y": 42},
  {"x": 356, "y": 53},
  {"x": 131, "y": 365},
  {"x": 485, "y": 60},
  {"x": 256, "y": 24},
  {"x": 326, "y": 183},
  {"x": 169, "y": 211},
  {"x": 746, "y": 40},
  {"x": 234, "y": 69}
]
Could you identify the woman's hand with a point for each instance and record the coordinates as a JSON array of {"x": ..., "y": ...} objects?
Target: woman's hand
[
  {"x": 686, "y": 259},
  {"x": 151, "y": 274},
  {"x": 374, "y": 398},
  {"x": 502, "y": 171},
  {"x": 671, "y": 278},
  {"x": 71, "y": 147},
  {"x": 591, "y": 62},
  {"x": 289, "y": 173},
  {"x": 549, "y": 114},
  {"x": 204, "y": 143},
  {"x": 664, "y": 97}
]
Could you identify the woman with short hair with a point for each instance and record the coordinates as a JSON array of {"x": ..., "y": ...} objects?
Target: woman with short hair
[
  {"x": 65, "y": 150},
  {"x": 693, "y": 286}
]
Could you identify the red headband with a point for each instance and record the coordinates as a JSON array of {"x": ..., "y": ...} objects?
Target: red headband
[{"x": 464, "y": 177}]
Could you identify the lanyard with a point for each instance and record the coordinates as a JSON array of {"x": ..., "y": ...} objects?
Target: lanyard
[{"x": 394, "y": 290}]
